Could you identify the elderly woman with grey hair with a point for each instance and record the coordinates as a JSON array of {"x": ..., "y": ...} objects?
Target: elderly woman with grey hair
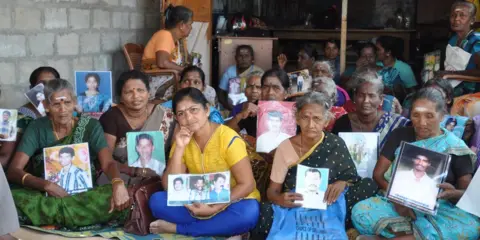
[
  {"x": 369, "y": 116},
  {"x": 327, "y": 86},
  {"x": 313, "y": 147},
  {"x": 94, "y": 206}
]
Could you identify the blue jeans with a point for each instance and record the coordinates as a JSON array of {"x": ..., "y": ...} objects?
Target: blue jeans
[{"x": 237, "y": 218}]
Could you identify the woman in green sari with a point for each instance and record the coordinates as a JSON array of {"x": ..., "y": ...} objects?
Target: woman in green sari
[{"x": 98, "y": 205}]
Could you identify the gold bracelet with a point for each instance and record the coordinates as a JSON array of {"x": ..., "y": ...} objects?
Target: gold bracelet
[
  {"x": 115, "y": 180},
  {"x": 25, "y": 176}
]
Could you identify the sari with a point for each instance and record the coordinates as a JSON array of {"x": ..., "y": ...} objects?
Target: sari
[
  {"x": 377, "y": 216},
  {"x": 96, "y": 103},
  {"x": 83, "y": 209},
  {"x": 330, "y": 152}
]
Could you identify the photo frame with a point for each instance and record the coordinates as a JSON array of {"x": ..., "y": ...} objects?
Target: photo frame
[{"x": 36, "y": 96}]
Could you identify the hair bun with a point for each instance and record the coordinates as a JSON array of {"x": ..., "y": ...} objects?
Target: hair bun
[{"x": 168, "y": 10}]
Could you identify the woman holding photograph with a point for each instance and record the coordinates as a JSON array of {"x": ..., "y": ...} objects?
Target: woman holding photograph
[
  {"x": 200, "y": 147},
  {"x": 312, "y": 147},
  {"x": 92, "y": 100},
  {"x": 134, "y": 113},
  {"x": 368, "y": 116},
  {"x": 98, "y": 205},
  {"x": 378, "y": 215}
]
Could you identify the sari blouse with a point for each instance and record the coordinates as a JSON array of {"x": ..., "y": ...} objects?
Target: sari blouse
[
  {"x": 223, "y": 150},
  {"x": 39, "y": 135}
]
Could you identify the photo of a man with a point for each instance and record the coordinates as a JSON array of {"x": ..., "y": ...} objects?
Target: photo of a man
[
  {"x": 270, "y": 139},
  {"x": 179, "y": 192},
  {"x": 144, "y": 146},
  {"x": 198, "y": 192},
  {"x": 311, "y": 193},
  {"x": 8, "y": 129},
  {"x": 413, "y": 183},
  {"x": 219, "y": 193},
  {"x": 71, "y": 178}
]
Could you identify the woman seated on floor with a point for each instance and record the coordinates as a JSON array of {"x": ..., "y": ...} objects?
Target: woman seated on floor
[
  {"x": 202, "y": 146},
  {"x": 379, "y": 216},
  {"x": 312, "y": 147},
  {"x": 98, "y": 205},
  {"x": 327, "y": 86},
  {"x": 193, "y": 76},
  {"x": 134, "y": 113},
  {"x": 368, "y": 116},
  {"x": 275, "y": 85}
]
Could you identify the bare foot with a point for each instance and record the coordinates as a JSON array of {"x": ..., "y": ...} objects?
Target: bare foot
[{"x": 161, "y": 226}]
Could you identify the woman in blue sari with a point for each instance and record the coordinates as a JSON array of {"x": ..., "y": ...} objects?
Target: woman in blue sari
[
  {"x": 194, "y": 76},
  {"x": 378, "y": 216}
]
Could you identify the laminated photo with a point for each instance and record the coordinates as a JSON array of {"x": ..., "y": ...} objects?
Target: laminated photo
[
  {"x": 312, "y": 183},
  {"x": 275, "y": 123},
  {"x": 8, "y": 126},
  {"x": 94, "y": 90},
  {"x": 208, "y": 188},
  {"x": 236, "y": 90},
  {"x": 69, "y": 167},
  {"x": 363, "y": 147},
  {"x": 36, "y": 96},
  {"x": 146, "y": 150},
  {"x": 300, "y": 81},
  {"x": 431, "y": 65},
  {"x": 416, "y": 173},
  {"x": 455, "y": 124}
]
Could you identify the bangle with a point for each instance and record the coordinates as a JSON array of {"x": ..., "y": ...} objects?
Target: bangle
[
  {"x": 115, "y": 180},
  {"x": 25, "y": 176}
]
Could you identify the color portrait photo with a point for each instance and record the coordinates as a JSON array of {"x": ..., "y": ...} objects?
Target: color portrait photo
[
  {"x": 36, "y": 97},
  {"x": 312, "y": 183},
  {"x": 146, "y": 150},
  {"x": 8, "y": 125},
  {"x": 69, "y": 167},
  {"x": 94, "y": 90}
]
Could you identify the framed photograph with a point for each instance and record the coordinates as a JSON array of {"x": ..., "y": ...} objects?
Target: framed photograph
[
  {"x": 146, "y": 150},
  {"x": 312, "y": 183},
  {"x": 35, "y": 96},
  {"x": 236, "y": 90},
  {"x": 363, "y": 148},
  {"x": 208, "y": 188},
  {"x": 8, "y": 126},
  {"x": 415, "y": 176},
  {"x": 275, "y": 123},
  {"x": 455, "y": 124},
  {"x": 69, "y": 167},
  {"x": 300, "y": 81},
  {"x": 94, "y": 90},
  {"x": 431, "y": 64}
]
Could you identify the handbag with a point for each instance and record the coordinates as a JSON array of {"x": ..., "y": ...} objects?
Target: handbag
[{"x": 140, "y": 217}]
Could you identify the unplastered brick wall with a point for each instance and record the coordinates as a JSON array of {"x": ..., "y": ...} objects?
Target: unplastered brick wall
[{"x": 68, "y": 35}]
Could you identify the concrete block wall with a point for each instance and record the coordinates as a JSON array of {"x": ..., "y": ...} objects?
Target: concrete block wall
[{"x": 68, "y": 35}]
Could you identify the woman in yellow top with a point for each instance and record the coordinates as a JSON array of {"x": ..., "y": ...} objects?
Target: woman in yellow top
[
  {"x": 202, "y": 147},
  {"x": 167, "y": 48}
]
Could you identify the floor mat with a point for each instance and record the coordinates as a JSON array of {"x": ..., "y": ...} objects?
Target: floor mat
[{"x": 118, "y": 233}]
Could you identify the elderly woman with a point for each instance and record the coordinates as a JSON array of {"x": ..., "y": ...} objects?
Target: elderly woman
[
  {"x": 92, "y": 100},
  {"x": 193, "y": 76},
  {"x": 275, "y": 85},
  {"x": 313, "y": 147},
  {"x": 168, "y": 49},
  {"x": 200, "y": 147},
  {"x": 253, "y": 91},
  {"x": 368, "y": 116},
  {"x": 379, "y": 216},
  {"x": 134, "y": 113},
  {"x": 465, "y": 41},
  {"x": 327, "y": 87},
  {"x": 98, "y": 205}
]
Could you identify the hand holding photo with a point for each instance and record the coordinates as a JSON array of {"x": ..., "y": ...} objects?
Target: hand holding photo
[
  {"x": 275, "y": 123},
  {"x": 146, "y": 150},
  {"x": 202, "y": 188},
  {"x": 36, "y": 96},
  {"x": 69, "y": 167},
  {"x": 300, "y": 81},
  {"x": 8, "y": 126},
  {"x": 312, "y": 183},
  {"x": 363, "y": 148},
  {"x": 94, "y": 90},
  {"x": 415, "y": 176}
]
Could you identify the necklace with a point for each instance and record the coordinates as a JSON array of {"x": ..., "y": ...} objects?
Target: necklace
[
  {"x": 55, "y": 128},
  {"x": 131, "y": 123}
]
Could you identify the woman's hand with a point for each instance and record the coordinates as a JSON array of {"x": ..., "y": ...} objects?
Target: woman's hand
[
  {"x": 397, "y": 107},
  {"x": 282, "y": 60},
  {"x": 449, "y": 192},
  {"x": 55, "y": 190},
  {"x": 202, "y": 209},
  {"x": 333, "y": 191},
  {"x": 404, "y": 211},
  {"x": 144, "y": 172},
  {"x": 249, "y": 110},
  {"x": 120, "y": 199},
  {"x": 183, "y": 137},
  {"x": 287, "y": 200}
]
